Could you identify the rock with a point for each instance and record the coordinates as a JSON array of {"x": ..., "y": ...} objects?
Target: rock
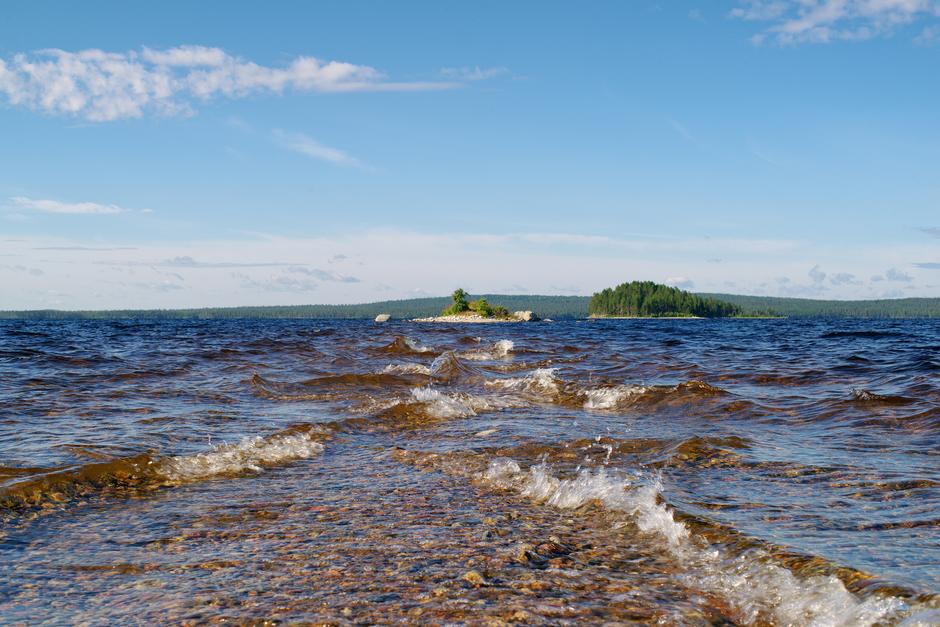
[
  {"x": 525, "y": 316},
  {"x": 474, "y": 578},
  {"x": 383, "y": 318}
]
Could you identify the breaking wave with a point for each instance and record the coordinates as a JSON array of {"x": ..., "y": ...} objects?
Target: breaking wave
[
  {"x": 758, "y": 590},
  {"x": 403, "y": 345},
  {"x": 251, "y": 454},
  {"x": 438, "y": 404},
  {"x": 545, "y": 385},
  {"x": 406, "y": 368},
  {"x": 498, "y": 350},
  {"x": 145, "y": 472}
]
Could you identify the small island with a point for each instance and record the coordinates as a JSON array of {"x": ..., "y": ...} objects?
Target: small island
[
  {"x": 462, "y": 310},
  {"x": 645, "y": 299}
]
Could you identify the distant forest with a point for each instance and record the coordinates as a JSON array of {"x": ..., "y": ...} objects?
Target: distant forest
[
  {"x": 555, "y": 307},
  {"x": 645, "y": 298}
]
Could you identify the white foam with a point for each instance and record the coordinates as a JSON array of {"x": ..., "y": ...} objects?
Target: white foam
[
  {"x": 248, "y": 455},
  {"x": 541, "y": 381},
  {"x": 614, "y": 492},
  {"x": 502, "y": 348},
  {"x": 759, "y": 590},
  {"x": 458, "y": 405},
  {"x": 406, "y": 368},
  {"x": 498, "y": 350},
  {"x": 609, "y": 398},
  {"x": 415, "y": 346}
]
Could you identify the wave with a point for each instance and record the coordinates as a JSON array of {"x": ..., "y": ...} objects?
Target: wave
[
  {"x": 612, "y": 397},
  {"x": 757, "y": 590},
  {"x": 541, "y": 382},
  {"x": 545, "y": 385},
  {"x": 498, "y": 350},
  {"x": 438, "y": 404},
  {"x": 867, "y": 396},
  {"x": 863, "y": 334},
  {"x": 147, "y": 472},
  {"x": 406, "y": 368},
  {"x": 448, "y": 367},
  {"x": 403, "y": 345},
  {"x": 251, "y": 454}
]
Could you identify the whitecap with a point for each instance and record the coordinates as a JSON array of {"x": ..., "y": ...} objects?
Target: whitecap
[
  {"x": 498, "y": 350},
  {"x": 406, "y": 368},
  {"x": 611, "y": 397},
  {"x": 458, "y": 405},
  {"x": 251, "y": 454},
  {"x": 540, "y": 381}
]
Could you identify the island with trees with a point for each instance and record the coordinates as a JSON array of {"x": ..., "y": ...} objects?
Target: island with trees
[
  {"x": 461, "y": 309},
  {"x": 645, "y": 299}
]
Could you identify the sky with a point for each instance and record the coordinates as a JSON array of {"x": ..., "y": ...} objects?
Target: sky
[{"x": 182, "y": 154}]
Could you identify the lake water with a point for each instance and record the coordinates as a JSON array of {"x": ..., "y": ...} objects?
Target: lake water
[{"x": 650, "y": 471}]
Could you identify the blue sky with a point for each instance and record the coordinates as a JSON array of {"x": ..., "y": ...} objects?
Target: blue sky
[{"x": 200, "y": 154}]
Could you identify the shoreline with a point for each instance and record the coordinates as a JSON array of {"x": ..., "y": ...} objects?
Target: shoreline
[{"x": 471, "y": 319}]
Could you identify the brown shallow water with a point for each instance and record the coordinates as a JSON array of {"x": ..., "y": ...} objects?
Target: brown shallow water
[{"x": 762, "y": 472}]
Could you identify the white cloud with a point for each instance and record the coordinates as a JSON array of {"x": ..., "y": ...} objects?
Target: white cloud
[
  {"x": 681, "y": 282},
  {"x": 300, "y": 143},
  {"x": 103, "y": 86},
  {"x": 816, "y": 274},
  {"x": 821, "y": 21},
  {"x": 893, "y": 274},
  {"x": 844, "y": 278},
  {"x": 55, "y": 206}
]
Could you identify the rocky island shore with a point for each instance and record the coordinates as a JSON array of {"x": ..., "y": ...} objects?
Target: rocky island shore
[
  {"x": 478, "y": 311},
  {"x": 518, "y": 316}
]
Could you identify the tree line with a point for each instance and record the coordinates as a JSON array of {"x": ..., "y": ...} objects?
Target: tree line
[{"x": 645, "y": 298}]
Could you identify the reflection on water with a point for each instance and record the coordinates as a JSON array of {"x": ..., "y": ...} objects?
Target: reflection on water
[{"x": 673, "y": 471}]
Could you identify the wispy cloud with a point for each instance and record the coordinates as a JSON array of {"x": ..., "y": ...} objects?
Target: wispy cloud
[
  {"x": 85, "y": 248},
  {"x": 101, "y": 86},
  {"x": 930, "y": 36},
  {"x": 932, "y": 231},
  {"x": 323, "y": 275},
  {"x": 56, "y": 206},
  {"x": 823, "y": 21},
  {"x": 682, "y": 131},
  {"x": 188, "y": 262},
  {"x": 277, "y": 283},
  {"x": 928, "y": 265},
  {"x": 22, "y": 268},
  {"x": 475, "y": 73},
  {"x": 307, "y": 146}
]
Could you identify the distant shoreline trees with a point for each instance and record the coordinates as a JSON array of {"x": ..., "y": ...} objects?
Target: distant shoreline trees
[{"x": 648, "y": 299}]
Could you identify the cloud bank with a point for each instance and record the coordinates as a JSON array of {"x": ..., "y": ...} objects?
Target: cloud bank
[
  {"x": 102, "y": 86},
  {"x": 383, "y": 264}
]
